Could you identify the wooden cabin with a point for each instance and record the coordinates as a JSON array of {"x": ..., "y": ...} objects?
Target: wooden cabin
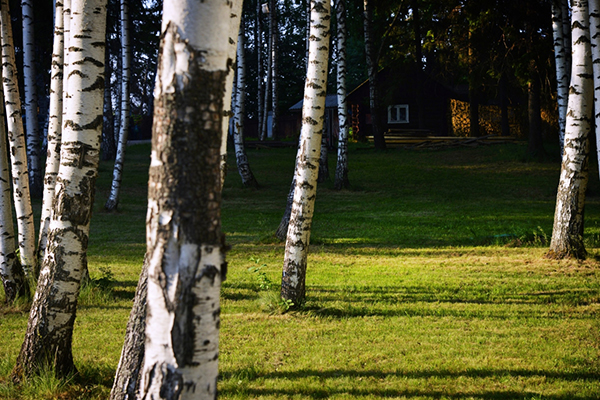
[{"x": 401, "y": 109}]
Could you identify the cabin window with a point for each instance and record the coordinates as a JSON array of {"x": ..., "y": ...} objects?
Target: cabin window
[{"x": 398, "y": 114}]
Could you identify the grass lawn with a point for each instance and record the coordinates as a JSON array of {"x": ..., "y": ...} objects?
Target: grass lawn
[{"x": 426, "y": 280}]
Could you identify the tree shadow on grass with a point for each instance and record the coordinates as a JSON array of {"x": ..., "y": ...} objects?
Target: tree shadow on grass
[
  {"x": 424, "y": 301},
  {"x": 306, "y": 391}
]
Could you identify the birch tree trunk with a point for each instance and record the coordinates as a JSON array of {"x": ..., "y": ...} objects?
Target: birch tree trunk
[
  {"x": 341, "y": 170},
  {"x": 567, "y": 34},
  {"x": 562, "y": 68},
  {"x": 113, "y": 198},
  {"x": 13, "y": 278},
  {"x": 234, "y": 26},
  {"x": 248, "y": 179},
  {"x": 54, "y": 128},
  {"x": 127, "y": 377},
  {"x": 594, "y": 11},
  {"x": 16, "y": 140},
  {"x": 259, "y": 70},
  {"x": 284, "y": 224},
  {"x": 31, "y": 105},
  {"x": 567, "y": 233},
  {"x": 184, "y": 239},
  {"x": 52, "y": 316},
  {"x": 274, "y": 66},
  {"x": 372, "y": 68},
  {"x": 265, "y": 118},
  {"x": 108, "y": 147},
  {"x": 323, "y": 160},
  {"x": 307, "y": 161}
]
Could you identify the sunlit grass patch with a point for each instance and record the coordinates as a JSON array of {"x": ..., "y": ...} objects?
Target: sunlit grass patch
[{"x": 425, "y": 280}]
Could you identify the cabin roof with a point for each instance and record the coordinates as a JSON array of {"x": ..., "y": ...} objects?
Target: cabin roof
[{"x": 330, "y": 102}]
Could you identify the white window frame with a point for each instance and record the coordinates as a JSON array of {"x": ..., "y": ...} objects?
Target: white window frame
[{"x": 398, "y": 107}]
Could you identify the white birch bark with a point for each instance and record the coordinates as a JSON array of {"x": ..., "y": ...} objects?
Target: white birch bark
[
  {"x": 567, "y": 233},
  {"x": 16, "y": 140},
  {"x": 265, "y": 118},
  {"x": 52, "y": 315},
  {"x": 183, "y": 234},
  {"x": 562, "y": 68},
  {"x": 113, "y": 198},
  {"x": 307, "y": 160},
  {"x": 12, "y": 275},
  {"x": 259, "y": 70},
  {"x": 241, "y": 158},
  {"x": 234, "y": 26},
  {"x": 127, "y": 377},
  {"x": 274, "y": 66},
  {"x": 307, "y": 42},
  {"x": 594, "y": 12},
  {"x": 66, "y": 45},
  {"x": 31, "y": 104},
  {"x": 54, "y": 128},
  {"x": 341, "y": 170},
  {"x": 566, "y": 21}
]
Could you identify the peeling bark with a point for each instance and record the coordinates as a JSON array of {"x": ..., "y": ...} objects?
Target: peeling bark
[
  {"x": 307, "y": 161},
  {"x": 12, "y": 274},
  {"x": 50, "y": 327},
  {"x": 183, "y": 235},
  {"x": 54, "y": 129},
  {"x": 248, "y": 179},
  {"x": 16, "y": 141},
  {"x": 567, "y": 233},
  {"x": 127, "y": 377}
]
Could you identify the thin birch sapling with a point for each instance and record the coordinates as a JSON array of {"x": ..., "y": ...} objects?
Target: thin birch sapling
[{"x": 307, "y": 160}]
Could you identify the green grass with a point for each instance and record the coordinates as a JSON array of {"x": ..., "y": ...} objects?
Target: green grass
[{"x": 426, "y": 280}]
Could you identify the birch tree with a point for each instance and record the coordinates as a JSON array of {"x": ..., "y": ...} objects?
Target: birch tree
[
  {"x": 31, "y": 104},
  {"x": 248, "y": 179},
  {"x": 341, "y": 170},
  {"x": 52, "y": 316},
  {"x": 372, "y": 68},
  {"x": 259, "y": 70},
  {"x": 54, "y": 127},
  {"x": 12, "y": 275},
  {"x": 282, "y": 229},
  {"x": 567, "y": 233},
  {"x": 307, "y": 160},
  {"x": 234, "y": 25},
  {"x": 113, "y": 198},
  {"x": 127, "y": 377},
  {"x": 16, "y": 140},
  {"x": 267, "y": 92},
  {"x": 594, "y": 11},
  {"x": 184, "y": 239},
  {"x": 323, "y": 160},
  {"x": 274, "y": 29},
  {"x": 562, "y": 68}
]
